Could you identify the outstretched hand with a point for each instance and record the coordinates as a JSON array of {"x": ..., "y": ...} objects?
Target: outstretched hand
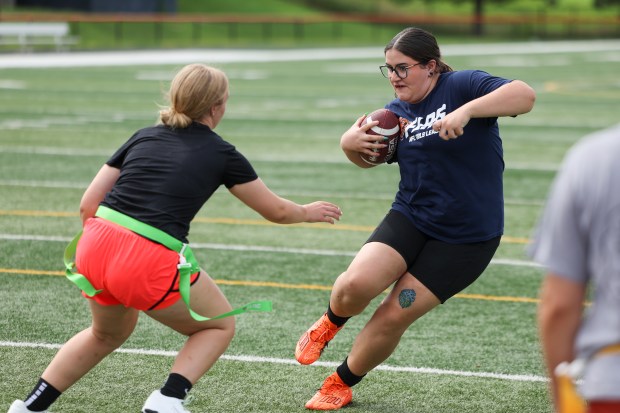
[{"x": 322, "y": 211}]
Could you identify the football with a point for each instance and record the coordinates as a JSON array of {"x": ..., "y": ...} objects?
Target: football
[{"x": 389, "y": 126}]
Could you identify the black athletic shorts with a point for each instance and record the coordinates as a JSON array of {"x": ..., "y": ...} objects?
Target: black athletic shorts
[{"x": 445, "y": 269}]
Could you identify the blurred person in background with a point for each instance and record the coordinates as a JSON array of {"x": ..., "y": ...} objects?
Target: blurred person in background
[
  {"x": 133, "y": 254},
  {"x": 578, "y": 241},
  {"x": 447, "y": 218}
]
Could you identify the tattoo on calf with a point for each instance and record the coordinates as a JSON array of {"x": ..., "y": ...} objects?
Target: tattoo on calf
[{"x": 406, "y": 298}]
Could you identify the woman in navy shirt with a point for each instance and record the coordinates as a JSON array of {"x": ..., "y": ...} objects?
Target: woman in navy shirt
[{"x": 447, "y": 217}]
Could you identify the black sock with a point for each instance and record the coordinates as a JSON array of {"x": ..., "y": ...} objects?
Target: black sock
[
  {"x": 42, "y": 396},
  {"x": 176, "y": 386},
  {"x": 347, "y": 377},
  {"x": 339, "y": 321}
]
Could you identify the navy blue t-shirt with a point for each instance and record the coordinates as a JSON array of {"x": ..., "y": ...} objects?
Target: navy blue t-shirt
[
  {"x": 168, "y": 174},
  {"x": 451, "y": 190}
]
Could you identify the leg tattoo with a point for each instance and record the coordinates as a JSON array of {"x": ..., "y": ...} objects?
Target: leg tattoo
[{"x": 406, "y": 298}]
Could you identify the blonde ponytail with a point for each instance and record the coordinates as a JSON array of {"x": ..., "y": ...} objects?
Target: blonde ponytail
[{"x": 170, "y": 117}]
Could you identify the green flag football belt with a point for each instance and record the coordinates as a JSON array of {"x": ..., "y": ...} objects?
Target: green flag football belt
[{"x": 187, "y": 262}]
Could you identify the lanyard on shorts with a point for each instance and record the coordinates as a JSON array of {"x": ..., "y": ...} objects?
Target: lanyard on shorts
[{"x": 187, "y": 262}]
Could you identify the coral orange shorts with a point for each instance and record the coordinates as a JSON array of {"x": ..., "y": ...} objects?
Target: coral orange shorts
[{"x": 130, "y": 269}]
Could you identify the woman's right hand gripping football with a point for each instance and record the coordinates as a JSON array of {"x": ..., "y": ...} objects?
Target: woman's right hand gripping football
[{"x": 356, "y": 140}]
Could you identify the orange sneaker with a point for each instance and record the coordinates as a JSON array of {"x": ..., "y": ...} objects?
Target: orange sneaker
[
  {"x": 312, "y": 343},
  {"x": 332, "y": 395}
]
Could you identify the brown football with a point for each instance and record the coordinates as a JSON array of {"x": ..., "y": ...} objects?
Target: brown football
[{"x": 389, "y": 126}]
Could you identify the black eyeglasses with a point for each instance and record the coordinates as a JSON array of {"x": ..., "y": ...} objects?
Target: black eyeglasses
[{"x": 400, "y": 70}]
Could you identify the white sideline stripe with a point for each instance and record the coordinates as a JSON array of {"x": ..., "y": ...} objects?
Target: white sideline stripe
[
  {"x": 211, "y": 56},
  {"x": 259, "y": 248},
  {"x": 286, "y": 193},
  {"x": 273, "y": 360}
]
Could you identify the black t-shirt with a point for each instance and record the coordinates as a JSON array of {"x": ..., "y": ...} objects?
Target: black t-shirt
[{"x": 168, "y": 174}]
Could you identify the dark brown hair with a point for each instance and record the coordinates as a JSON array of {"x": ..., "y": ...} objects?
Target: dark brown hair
[{"x": 419, "y": 45}]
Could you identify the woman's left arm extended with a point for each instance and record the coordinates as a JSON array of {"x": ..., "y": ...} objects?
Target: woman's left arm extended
[
  {"x": 511, "y": 99},
  {"x": 274, "y": 208}
]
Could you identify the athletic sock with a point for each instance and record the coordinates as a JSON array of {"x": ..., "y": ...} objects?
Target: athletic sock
[
  {"x": 42, "y": 396},
  {"x": 176, "y": 386},
  {"x": 345, "y": 374},
  {"x": 339, "y": 321}
]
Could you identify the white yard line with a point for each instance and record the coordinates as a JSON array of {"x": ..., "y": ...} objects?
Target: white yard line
[
  {"x": 273, "y": 360},
  {"x": 258, "y": 248}
]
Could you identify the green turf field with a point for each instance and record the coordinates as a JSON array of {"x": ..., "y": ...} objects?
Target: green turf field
[{"x": 477, "y": 353}]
